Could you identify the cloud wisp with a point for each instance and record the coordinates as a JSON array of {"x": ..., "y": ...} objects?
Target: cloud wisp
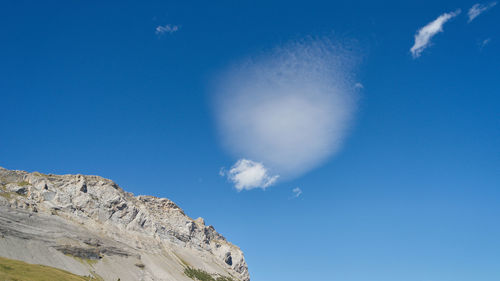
[
  {"x": 296, "y": 192},
  {"x": 425, "y": 34},
  {"x": 289, "y": 108},
  {"x": 478, "y": 9},
  {"x": 247, "y": 174},
  {"x": 483, "y": 43},
  {"x": 169, "y": 28}
]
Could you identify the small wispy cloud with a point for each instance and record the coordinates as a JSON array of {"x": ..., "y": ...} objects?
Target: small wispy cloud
[
  {"x": 478, "y": 9},
  {"x": 483, "y": 43},
  {"x": 247, "y": 174},
  {"x": 169, "y": 28},
  {"x": 296, "y": 192},
  {"x": 425, "y": 34}
]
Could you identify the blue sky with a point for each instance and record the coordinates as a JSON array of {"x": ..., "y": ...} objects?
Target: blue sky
[{"x": 411, "y": 193}]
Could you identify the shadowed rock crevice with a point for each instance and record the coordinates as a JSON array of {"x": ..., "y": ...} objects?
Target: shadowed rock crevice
[
  {"x": 93, "y": 253},
  {"x": 84, "y": 253}
]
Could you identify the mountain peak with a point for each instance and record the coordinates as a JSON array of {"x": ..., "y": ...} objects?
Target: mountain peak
[{"x": 70, "y": 218}]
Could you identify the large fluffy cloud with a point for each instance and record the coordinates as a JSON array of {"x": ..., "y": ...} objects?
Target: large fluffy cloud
[{"x": 288, "y": 109}]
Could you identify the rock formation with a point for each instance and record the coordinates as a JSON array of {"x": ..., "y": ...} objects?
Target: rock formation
[{"x": 88, "y": 225}]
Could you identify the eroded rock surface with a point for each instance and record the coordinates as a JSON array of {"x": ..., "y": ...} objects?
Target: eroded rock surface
[{"x": 88, "y": 225}]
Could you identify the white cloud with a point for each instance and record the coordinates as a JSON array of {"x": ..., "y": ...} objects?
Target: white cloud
[
  {"x": 478, "y": 9},
  {"x": 289, "y": 108},
  {"x": 483, "y": 43},
  {"x": 247, "y": 174},
  {"x": 222, "y": 172},
  {"x": 424, "y": 34},
  {"x": 169, "y": 28},
  {"x": 297, "y": 192}
]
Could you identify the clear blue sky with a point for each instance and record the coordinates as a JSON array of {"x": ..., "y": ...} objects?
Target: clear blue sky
[{"x": 413, "y": 194}]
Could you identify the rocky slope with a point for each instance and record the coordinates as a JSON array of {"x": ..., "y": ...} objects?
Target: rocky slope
[{"x": 88, "y": 225}]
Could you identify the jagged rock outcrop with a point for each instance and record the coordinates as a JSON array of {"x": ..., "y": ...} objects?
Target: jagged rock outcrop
[{"x": 88, "y": 225}]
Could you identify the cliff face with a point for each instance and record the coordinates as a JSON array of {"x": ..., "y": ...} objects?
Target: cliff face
[{"x": 90, "y": 226}]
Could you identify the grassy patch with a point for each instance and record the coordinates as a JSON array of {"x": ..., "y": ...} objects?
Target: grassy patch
[
  {"x": 7, "y": 195},
  {"x": 23, "y": 183},
  {"x": 197, "y": 274},
  {"x": 84, "y": 261},
  {"x": 201, "y": 275},
  {"x": 223, "y": 278},
  {"x": 184, "y": 263},
  {"x": 13, "y": 270},
  {"x": 38, "y": 174}
]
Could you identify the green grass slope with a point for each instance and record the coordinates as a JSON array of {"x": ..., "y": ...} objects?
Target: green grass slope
[{"x": 14, "y": 270}]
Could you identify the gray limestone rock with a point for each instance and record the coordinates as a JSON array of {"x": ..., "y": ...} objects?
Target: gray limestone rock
[{"x": 60, "y": 220}]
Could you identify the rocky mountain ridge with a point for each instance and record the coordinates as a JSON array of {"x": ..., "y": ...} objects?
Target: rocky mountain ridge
[{"x": 88, "y": 225}]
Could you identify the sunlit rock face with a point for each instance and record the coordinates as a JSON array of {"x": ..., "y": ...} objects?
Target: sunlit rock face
[{"x": 88, "y": 225}]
